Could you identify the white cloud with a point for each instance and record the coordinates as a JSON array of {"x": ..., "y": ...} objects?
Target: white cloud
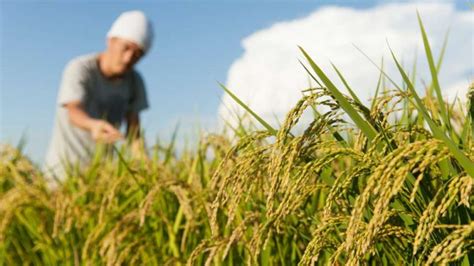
[{"x": 269, "y": 78}]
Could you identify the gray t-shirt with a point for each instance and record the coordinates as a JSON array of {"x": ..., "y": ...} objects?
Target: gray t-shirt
[{"x": 101, "y": 98}]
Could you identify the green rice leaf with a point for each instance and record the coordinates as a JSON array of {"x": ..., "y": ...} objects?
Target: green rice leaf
[
  {"x": 243, "y": 105},
  {"x": 434, "y": 75},
  {"x": 365, "y": 127},
  {"x": 465, "y": 162},
  {"x": 351, "y": 92},
  {"x": 377, "y": 88}
]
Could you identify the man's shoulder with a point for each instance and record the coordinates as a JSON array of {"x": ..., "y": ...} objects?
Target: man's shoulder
[
  {"x": 136, "y": 75},
  {"x": 84, "y": 62},
  {"x": 137, "y": 82},
  {"x": 84, "y": 59}
]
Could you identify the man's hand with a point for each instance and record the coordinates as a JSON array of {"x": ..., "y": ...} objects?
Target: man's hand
[{"x": 102, "y": 131}]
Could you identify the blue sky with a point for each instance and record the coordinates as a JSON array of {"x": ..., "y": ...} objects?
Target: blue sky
[{"x": 195, "y": 44}]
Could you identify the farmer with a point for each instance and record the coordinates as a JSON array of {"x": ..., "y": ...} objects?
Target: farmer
[{"x": 97, "y": 93}]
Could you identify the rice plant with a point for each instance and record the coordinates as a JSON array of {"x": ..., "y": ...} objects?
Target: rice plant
[{"x": 388, "y": 184}]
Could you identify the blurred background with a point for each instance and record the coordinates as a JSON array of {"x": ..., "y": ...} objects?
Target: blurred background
[{"x": 251, "y": 46}]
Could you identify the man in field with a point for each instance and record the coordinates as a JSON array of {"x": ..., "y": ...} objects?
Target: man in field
[{"x": 97, "y": 93}]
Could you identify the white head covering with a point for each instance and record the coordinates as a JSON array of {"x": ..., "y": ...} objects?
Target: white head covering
[{"x": 133, "y": 26}]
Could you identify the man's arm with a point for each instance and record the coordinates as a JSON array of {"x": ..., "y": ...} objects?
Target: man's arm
[
  {"x": 100, "y": 130},
  {"x": 133, "y": 125},
  {"x": 137, "y": 143}
]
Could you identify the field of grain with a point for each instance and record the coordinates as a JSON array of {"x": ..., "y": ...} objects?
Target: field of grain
[{"x": 385, "y": 184}]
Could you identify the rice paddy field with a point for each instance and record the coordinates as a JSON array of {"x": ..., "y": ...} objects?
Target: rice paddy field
[{"x": 388, "y": 183}]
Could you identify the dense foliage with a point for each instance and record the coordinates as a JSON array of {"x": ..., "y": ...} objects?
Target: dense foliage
[{"x": 387, "y": 184}]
